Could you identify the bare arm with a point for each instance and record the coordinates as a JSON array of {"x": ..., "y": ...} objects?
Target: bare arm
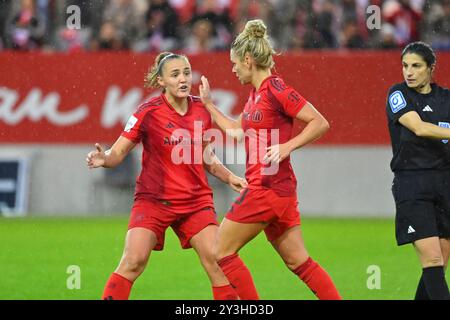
[
  {"x": 213, "y": 165},
  {"x": 316, "y": 126},
  {"x": 413, "y": 122},
  {"x": 230, "y": 126},
  {"x": 112, "y": 157}
]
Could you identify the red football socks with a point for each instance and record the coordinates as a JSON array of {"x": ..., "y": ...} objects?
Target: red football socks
[
  {"x": 117, "y": 288},
  {"x": 318, "y": 280},
  {"x": 224, "y": 293},
  {"x": 239, "y": 277}
]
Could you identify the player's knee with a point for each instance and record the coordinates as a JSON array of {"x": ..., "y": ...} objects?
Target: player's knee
[
  {"x": 433, "y": 261},
  {"x": 220, "y": 254},
  {"x": 294, "y": 264},
  {"x": 134, "y": 263},
  {"x": 208, "y": 260},
  {"x": 293, "y": 261}
]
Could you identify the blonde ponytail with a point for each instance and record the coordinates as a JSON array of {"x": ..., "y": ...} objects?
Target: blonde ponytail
[{"x": 254, "y": 40}]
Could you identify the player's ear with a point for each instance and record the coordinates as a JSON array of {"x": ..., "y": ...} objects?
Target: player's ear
[
  {"x": 432, "y": 67},
  {"x": 160, "y": 82},
  {"x": 248, "y": 59}
]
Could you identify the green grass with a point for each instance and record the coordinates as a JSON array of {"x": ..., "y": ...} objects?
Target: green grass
[{"x": 35, "y": 254}]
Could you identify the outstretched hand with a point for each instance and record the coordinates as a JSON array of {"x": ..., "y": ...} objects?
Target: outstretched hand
[
  {"x": 205, "y": 91},
  {"x": 96, "y": 158}
]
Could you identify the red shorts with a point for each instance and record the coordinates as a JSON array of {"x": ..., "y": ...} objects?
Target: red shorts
[
  {"x": 155, "y": 216},
  {"x": 255, "y": 205}
]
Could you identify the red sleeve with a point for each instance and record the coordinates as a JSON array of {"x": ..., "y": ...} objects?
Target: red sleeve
[
  {"x": 290, "y": 100},
  {"x": 134, "y": 128},
  {"x": 208, "y": 122}
]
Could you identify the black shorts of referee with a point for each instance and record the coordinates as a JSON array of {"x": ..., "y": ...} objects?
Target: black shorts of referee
[{"x": 422, "y": 201}]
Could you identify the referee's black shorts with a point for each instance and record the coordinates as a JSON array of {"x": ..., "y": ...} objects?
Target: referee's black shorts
[{"x": 422, "y": 200}]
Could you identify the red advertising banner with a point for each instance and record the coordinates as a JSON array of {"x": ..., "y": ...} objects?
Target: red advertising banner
[{"x": 88, "y": 97}]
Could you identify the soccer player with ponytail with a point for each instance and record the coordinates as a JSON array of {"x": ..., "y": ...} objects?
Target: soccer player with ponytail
[
  {"x": 269, "y": 202},
  {"x": 168, "y": 193}
]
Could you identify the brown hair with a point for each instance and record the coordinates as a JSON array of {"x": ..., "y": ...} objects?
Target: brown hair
[
  {"x": 254, "y": 40},
  {"x": 151, "y": 78}
]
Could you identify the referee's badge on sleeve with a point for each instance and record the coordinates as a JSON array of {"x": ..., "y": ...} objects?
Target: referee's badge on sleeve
[
  {"x": 444, "y": 125},
  {"x": 397, "y": 101}
]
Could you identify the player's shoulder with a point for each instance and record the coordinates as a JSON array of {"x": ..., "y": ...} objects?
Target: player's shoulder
[
  {"x": 275, "y": 84},
  {"x": 199, "y": 107},
  {"x": 398, "y": 92},
  {"x": 195, "y": 99},
  {"x": 150, "y": 105},
  {"x": 401, "y": 86},
  {"x": 196, "y": 102},
  {"x": 441, "y": 91},
  {"x": 398, "y": 98}
]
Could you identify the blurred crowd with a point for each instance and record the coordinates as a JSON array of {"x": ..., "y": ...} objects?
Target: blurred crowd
[{"x": 195, "y": 26}]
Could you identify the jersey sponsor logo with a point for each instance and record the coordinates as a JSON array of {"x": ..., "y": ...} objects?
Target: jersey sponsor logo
[
  {"x": 397, "y": 101},
  {"x": 172, "y": 141},
  {"x": 186, "y": 141},
  {"x": 427, "y": 109},
  {"x": 130, "y": 124},
  {"x": 444, "y": 125}
]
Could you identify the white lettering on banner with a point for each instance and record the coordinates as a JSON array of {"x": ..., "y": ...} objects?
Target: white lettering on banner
[
  {"x": 225, "y": 100},
  {"x": 36, "y": 107},
  {"x": 119, "y": 109}
]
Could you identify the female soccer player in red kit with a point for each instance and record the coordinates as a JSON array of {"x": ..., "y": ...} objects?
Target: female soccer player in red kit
[
  {"x": 168, "y": 193},
  {"x": 270, "y": 201}
]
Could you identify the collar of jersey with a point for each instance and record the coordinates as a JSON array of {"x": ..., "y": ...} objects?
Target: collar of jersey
[
  {"x": 173, "y": 109},
  {"x": 265, "y": 81}
]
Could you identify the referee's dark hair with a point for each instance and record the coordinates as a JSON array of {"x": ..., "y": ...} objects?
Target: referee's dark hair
[{"x": 422, "y": 49}]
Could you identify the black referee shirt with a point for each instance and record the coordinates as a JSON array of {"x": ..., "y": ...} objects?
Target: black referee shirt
[{"x": 411, "y": 152}]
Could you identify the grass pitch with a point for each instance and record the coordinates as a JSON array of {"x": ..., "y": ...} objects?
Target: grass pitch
[{"x": 35, "y": 254}]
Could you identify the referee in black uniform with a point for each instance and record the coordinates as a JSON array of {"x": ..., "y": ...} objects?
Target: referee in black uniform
[{"x": 419, "y": 124}]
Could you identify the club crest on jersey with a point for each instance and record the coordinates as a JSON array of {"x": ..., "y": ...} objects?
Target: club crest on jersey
[
  {"x": 397, "y": 101},
  {"x": 257, "y": 116},
  {"x": 444, "y": 125},
  {"x": 130, "y": 124}
]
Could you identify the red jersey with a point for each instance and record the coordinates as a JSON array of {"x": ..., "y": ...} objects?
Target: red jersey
[
  {"x": 267, "y": 120},
  {"x": 172, "y": 162}
]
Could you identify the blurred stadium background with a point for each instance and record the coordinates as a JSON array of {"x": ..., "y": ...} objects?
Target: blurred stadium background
[{"x": 62, "y": 90}]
